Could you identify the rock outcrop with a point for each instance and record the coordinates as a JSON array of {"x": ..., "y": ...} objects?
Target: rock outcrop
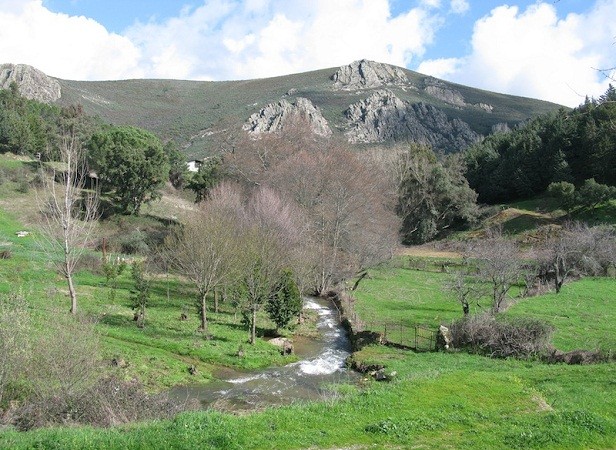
[
  {"x": 366, "y": 74},
  {"x": 276, "y": 116},
  {"x": 32, "y": 83},
  {"x": 443, "y": 92},
  {"x": 383, "y": 117},
  {"x": 446, "y": 95}
]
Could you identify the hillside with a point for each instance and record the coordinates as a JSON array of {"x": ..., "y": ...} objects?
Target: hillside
[{"x": 365, "y": 102}]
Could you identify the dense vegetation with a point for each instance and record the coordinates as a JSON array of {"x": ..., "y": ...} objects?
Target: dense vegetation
[{"x": 566, "y": 146}]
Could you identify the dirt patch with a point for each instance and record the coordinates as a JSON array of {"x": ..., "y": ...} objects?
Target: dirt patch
[
  {"x": 426, "y": 251},
  {"x": 542, "y": 404}
]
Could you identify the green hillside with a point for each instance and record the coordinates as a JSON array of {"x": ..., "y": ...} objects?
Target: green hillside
[{"x": 202, "y": 115}]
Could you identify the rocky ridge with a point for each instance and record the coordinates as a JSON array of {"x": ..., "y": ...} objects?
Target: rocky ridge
[
  {"x": 31, "y": 82},
  {"x": 383, "y": 117},
  {"x": 367, "y": 74},
  {"x": 274, "y": 117}
]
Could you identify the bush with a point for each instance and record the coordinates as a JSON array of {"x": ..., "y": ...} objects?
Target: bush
[
  {"x": 90, "y": 262},
  {"x": 517, "y": 337},
  {"x": 107, "y": 403},
  {"x": 134, "y": 243}
]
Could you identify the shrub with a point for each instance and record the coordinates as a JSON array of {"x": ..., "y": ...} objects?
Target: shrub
[
  {"x": 108, "y": 402},
  {"x": 516, "y": 337},
  {"x": 134, "y": 242},
  {"x": 90, "y": 262}
]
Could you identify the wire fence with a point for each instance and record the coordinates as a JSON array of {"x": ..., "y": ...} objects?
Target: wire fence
[{"x": 417, "y": 337}]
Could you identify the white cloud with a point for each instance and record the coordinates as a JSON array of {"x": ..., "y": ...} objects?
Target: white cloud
[
  {"x": 219, "y": 39},
  {"x": 536, "y": 54},
  {"x": 225, "y": 39},
  {"x": 459, "y": 6},
  {"x": 439, "y": 68},
  {"x": 63, "y": 46},
  {"x": 431, "y": 3}
]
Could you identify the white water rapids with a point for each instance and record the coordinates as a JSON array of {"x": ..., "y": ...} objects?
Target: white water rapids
[{"x": 322, "y": 363}]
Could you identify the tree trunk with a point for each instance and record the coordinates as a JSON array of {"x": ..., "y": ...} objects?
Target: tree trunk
[
  {"x": 215, "y": 301},
  {"x": 204, "y": 313},
  {"x": 465, "y": 309},
  {"x": 361, "y": 277},
  {"x": 253, "y": 328},
  {"x": 72, "y": 293}
]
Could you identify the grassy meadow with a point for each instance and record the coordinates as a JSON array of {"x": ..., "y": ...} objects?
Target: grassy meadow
[{"x": 435, "y": 399}]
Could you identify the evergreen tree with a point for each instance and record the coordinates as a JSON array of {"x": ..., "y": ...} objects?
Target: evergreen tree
[
  {"x": 285, "y": 301},
  {"x": 131, "y": 166},
  {"x": 140, "y": 293}
]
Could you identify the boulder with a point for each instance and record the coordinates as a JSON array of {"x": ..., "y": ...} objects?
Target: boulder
[
  {"x": 285, "y": 345},
  {"x": 446, "y": 95},
  {"x": 444, "y": 338}
]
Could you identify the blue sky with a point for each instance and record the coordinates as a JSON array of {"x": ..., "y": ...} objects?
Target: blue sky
[{"x": 547, "y": 49}]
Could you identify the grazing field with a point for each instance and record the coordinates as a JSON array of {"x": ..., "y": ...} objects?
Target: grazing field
[
  {"x": 434, "y": 399},
  {"x": 582, "y": 313}
]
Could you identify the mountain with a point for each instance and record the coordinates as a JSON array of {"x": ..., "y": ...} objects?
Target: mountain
[{"x": 364, "y": 102}]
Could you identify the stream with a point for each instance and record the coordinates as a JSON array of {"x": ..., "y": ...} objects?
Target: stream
[{"x": 321, "y": 363}]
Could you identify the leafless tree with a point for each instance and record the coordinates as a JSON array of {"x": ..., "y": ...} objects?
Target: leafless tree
[
  {"x": 346, "y": 205},
  {"x": 579, "y": 250},
  {"x": 498, "y": 264},
  {"x": 465, "y": 291},
  {"x": 204, "y": 249},
  {"x": 69, "y": 211},
  {"x": 272, "y": 238},
  {"x": 346, "y": 200}
]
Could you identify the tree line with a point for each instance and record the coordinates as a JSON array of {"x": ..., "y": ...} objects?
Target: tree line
[{"x": 569, "y": 146}]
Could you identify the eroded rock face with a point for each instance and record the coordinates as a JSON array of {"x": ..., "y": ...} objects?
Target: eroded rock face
[
  {"x": 32, "y": 83},
  {"x": 384, "y": 117},
  {"x": 447, "y": 95},
  {"x": 276, "y": 116},
  {"x": 368, "y": 74}
]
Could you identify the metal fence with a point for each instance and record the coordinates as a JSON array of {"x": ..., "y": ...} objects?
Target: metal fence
[{"x": 417, "y": 337}]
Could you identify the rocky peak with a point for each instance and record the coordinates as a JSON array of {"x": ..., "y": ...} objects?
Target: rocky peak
[
  {"x": 275, "y": 116},
  {"x": 32, "y": 83},
  {"x": 368, "y": 74}
]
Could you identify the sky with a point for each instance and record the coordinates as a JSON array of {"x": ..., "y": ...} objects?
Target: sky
[{"x": 548, "y": 49}]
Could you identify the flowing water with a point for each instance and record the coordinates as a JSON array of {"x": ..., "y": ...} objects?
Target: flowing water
[{"x": 322, "y": 363}]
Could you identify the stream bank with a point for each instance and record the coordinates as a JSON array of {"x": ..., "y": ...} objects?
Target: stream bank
[{"x": 322, "y": 362}]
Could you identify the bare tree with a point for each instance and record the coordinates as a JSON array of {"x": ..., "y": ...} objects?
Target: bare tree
[
  {"x": 498, "y": 264},
  {"x": 579, "y": 250},
  {"x": 69, "y": 211},
  {"x": 205, "y": 247},
  {"x": 465, "y": 291},
  {"x": 345, "y": 202},
  {"x": 271, "y": 238}
]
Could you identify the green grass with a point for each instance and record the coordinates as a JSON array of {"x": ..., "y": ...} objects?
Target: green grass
[
  {"x": 407, "y": 296},
  {"x": 437, "y": 401},
  {"x": 602, "y": 214},
  {"x": 160, "y": 353},
  {"x": 582, "y": 314}
]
